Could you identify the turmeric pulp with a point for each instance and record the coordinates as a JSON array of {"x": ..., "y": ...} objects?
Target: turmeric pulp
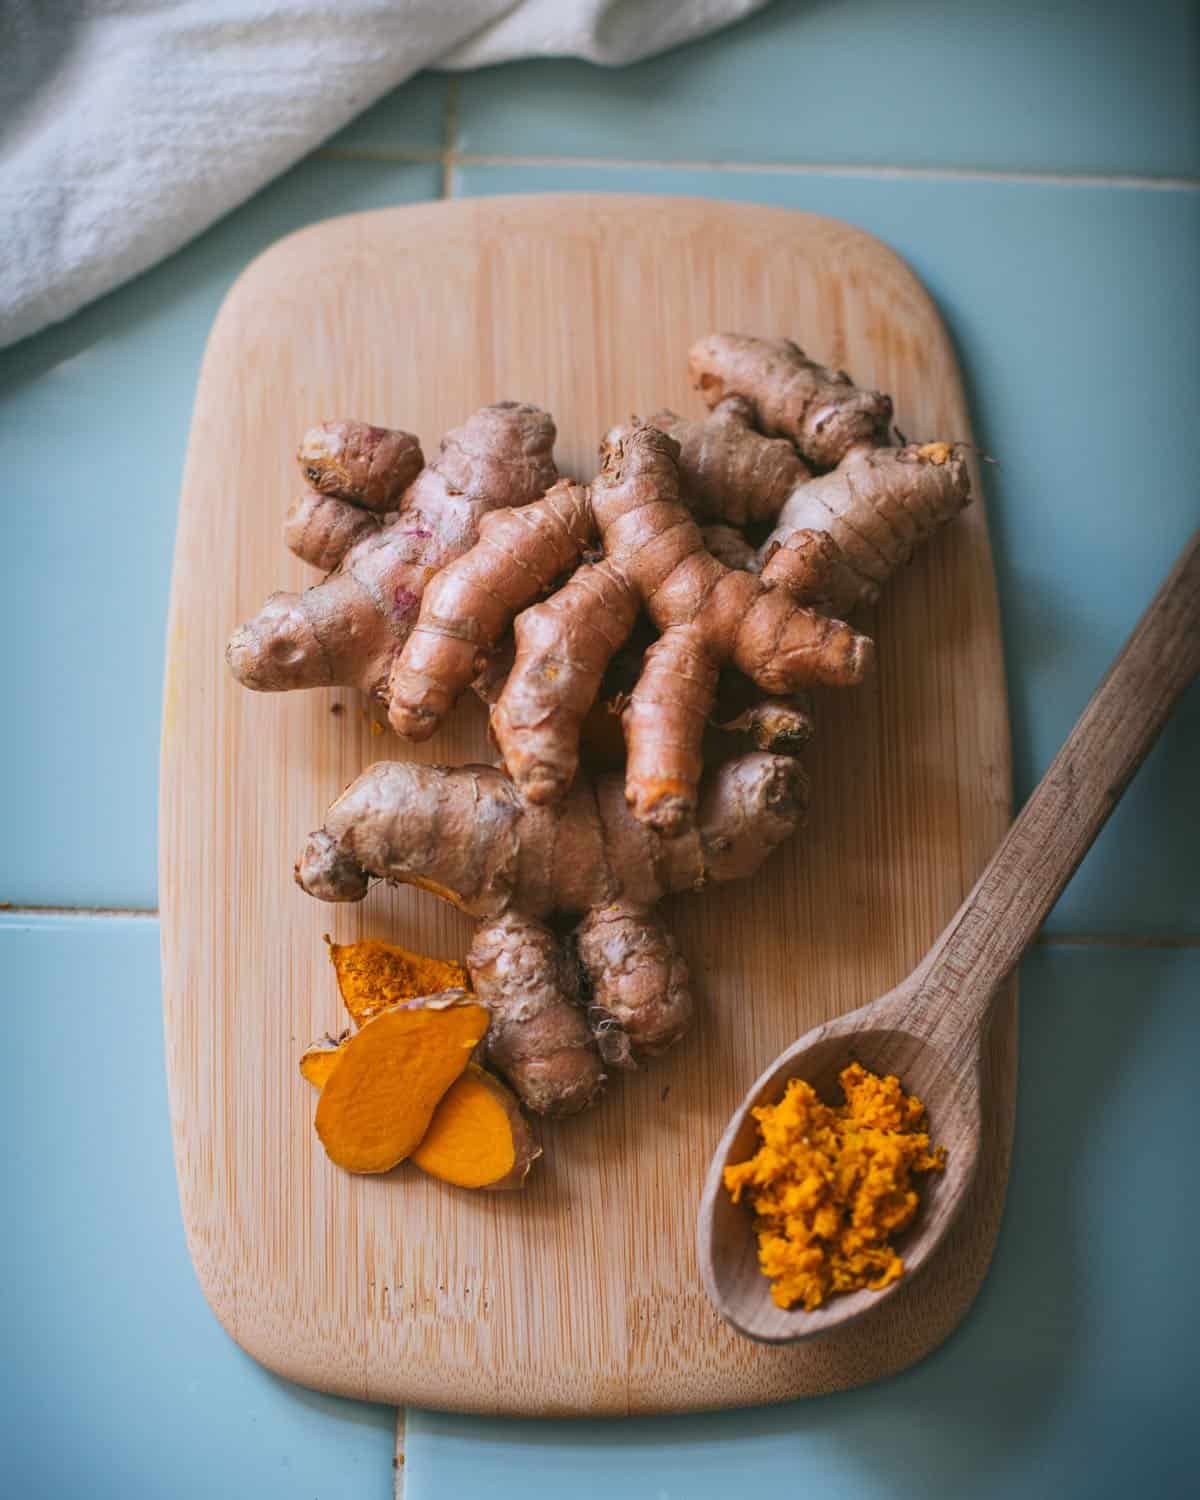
[
  {"x": 831, "y": 1186},
  {"x": 374, "y": 976}
]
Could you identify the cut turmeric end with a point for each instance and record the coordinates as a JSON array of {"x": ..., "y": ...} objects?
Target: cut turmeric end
[
  {"x": 478, "y": 1137},
  {"x": 318, "y": 1059},
  {"x": 389, "y": 1077},
  {"x": 832, "y": 1186},
  {"x": 373, "y": 975}
]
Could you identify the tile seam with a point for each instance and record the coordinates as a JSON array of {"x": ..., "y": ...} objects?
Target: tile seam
[
  {"x": 450, "y": 144},
  {"x": 450, "y": 157},
  {"x": 1163, "y": 941},
  {"x": 134, "y": 913},
  {"x": 430, "y": 156},
  {"x": 1044, "y": 939},
  {"x": 398, "y": 1457}
]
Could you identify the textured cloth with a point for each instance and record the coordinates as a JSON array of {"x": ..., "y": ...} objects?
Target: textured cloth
[{"x": 126, "y": 128}]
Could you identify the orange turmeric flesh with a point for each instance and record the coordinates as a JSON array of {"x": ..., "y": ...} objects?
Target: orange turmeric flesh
[
  {"x": 319, "y": 1059},
  {"x": 478, "y": 1137},
  {"x": 831, "y": 1186},
  {"x": 373, "y": 976},
  {"x": 389, "y": 1078}
]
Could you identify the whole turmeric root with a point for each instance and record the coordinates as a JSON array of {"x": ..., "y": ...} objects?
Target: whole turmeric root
[
  {"x": 877, "y": 505},
  {"x": 467, "y": 835},
  {"x": 822, "y": 411},
  {"x": 707, "y": 614},
  {"x": 348, "y": 629},
  {"x": 727, "y": 470}
]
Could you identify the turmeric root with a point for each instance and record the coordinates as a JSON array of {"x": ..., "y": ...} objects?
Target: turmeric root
[
  {"x": 379, "y": 1098},
  {"x": 822, "y": 411},
  {"x": 539, "y": 1037},
  {"x": 373, "y": 976},
  {"x": 654, "y": 555},
  {"x": 468, "y": 836},
  {"x": 878, "y": 505},
  {"x": 369, "y": 466},
  {"x": 728, "y": 471},
  {"x": 348, "y": 629},
  {"x": 478, "y": 1137},
  {"x": 641, "y": 1001}
]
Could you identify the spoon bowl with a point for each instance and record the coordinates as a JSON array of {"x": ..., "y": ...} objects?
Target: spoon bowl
[
  {"x": 726, "y": 1241},
  {"x": 927, "y": 1030}
]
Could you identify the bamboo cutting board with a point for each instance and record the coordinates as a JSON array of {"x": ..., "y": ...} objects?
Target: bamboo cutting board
[{"x": 580, "y": 1295}]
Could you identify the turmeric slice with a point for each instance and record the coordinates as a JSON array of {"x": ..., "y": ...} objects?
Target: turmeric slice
[
  {"x": 478, "y": 1137},
  {"x": 373, "y": 976},
  {"x": 389, "y": 1078},
  {"x": 832, "y": 1186}
]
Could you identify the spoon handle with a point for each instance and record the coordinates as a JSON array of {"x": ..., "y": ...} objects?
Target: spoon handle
[{"x": 957, "y": 980}]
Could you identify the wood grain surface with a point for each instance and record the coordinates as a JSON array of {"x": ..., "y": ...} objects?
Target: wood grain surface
[
  {"x": 580, "y": 1295},
  {"x": 929, "y": 1029}
]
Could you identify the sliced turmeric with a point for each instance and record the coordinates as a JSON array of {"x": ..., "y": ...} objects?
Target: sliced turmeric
[
  {"x": 373, "y": 976},
  {"x": 389, "y": 1078},
  {"x": 478, "y": 1137},
  {"x": 832, "y": 1186}
]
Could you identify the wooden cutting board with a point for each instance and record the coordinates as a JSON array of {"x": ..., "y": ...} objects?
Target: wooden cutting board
[{"x": 580, "y": 1295}]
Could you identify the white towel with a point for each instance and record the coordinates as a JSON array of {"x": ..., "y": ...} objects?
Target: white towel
[{"x": 128, "y": 126}]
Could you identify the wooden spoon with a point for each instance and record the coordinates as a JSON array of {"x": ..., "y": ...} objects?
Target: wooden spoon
[{"x": 929, "y": 1029}]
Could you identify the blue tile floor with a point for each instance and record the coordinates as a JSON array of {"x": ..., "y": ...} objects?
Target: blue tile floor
[
  {"x": 1073, "y": 1374},
  {"x": 117, "y": 1382},
  {"x": 1070, "y": 1377},
  {"x": 1081, "y": 86},
  {"x": 1040, "y": 168}
]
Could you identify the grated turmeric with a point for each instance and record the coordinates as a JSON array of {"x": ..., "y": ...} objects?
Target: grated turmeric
[{"x": 831, "y": 1186}]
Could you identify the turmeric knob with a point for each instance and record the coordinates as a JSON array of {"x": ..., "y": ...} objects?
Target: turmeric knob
[{"x": 370, "y": 466}]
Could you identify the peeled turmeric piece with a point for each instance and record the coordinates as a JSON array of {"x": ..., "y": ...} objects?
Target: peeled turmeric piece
[
  {"x": 373, "y": 976},
  {"x": 832, "y": 1186},
  {"x": 389, "y": 1078},
  {"x": 478, "y": 1137}
]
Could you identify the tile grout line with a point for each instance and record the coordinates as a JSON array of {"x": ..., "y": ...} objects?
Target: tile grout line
[
  {"x": 422, "y": 155},
  {"x": 451, "y": 158},
  {"x": 398, "y": 1454},
  {"x": 449, "y": 155},
  {"x": 1164, "y": 941},
  {"x": 135, "y": 913}
]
